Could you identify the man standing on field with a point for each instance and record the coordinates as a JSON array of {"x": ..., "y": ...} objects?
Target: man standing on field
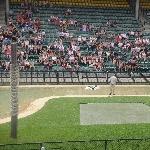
[{"x": 112, "y": 81}]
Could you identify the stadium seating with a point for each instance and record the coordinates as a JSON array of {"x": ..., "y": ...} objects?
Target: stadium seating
[
  {"x": 145, "y": 4},
  {"x": 117, "y": 11},
  {"x": 124, "y": 17},
  {"x": 85, "y": 3}
]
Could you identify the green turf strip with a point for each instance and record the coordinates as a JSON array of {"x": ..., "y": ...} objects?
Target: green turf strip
[
  {"x": 29, "y": 94},
  {"x": 59, "y": 120}
]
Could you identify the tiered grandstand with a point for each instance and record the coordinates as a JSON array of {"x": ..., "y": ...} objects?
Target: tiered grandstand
[
  {"x": 76, "y": 61},
  {"x": 145, "y": 4},
  {"x": 77, "y": 35}
]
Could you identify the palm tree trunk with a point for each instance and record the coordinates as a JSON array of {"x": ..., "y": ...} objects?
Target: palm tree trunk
[{"x": 14, "y": 90}]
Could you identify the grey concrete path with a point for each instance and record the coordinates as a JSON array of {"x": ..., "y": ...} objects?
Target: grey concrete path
[{"x": 114, "y": 113}]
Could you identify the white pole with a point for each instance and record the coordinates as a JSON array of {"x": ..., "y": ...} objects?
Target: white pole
[
  {"x": 7, "y": 6},
  {"x": 7, "y": 10},
  {"x": 137, "y": 9}
]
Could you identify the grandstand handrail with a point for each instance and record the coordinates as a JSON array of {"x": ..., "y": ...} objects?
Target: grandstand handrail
[{"x": 75, "y": 77}]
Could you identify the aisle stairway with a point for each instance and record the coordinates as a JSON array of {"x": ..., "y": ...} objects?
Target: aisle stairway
[{"x": 145, "y": 9}]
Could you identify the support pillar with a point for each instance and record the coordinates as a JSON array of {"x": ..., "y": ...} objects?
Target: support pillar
[
  {"x": 7, "y": 10},
  {"x": 137, "y": 9}
]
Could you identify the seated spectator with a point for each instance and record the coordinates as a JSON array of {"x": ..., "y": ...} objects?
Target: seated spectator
[{"x": 68, "y": 12}]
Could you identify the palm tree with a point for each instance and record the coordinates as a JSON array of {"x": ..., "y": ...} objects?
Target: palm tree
[{"x": 14, "y": 90}]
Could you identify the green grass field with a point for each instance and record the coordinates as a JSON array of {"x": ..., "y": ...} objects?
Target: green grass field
[
  {"x": 29, "y": 94},
  {"x": 59, "y": 120}
]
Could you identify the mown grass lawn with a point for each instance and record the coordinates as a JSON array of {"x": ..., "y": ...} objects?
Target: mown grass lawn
[
  {"x": 29, "y": 94},
  {"x": 59, "y": 120}
]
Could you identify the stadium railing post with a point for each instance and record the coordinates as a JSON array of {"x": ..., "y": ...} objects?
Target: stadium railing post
[{"x": 106, "y": 144}]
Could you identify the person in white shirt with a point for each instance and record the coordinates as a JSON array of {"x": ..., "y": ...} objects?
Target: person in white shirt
[
  {"x": 112, "y": 81},
  {"x": 124, "y": 35},
  {"x": 79, "y": 39},
  {"x": 84, "y": 27},
  {"x": 120, "y": 44}
]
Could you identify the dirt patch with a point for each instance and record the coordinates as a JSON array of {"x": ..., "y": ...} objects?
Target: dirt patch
[
  {"x": 38, "y": 104},
  {"x": 75, "y": 91}
]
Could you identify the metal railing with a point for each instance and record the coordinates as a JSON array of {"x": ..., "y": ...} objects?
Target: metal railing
[
  {"x": 75, "y": 77},
  {"x": 118, "y": 144}
]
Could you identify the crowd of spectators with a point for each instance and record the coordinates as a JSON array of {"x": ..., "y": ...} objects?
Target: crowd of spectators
[{"x": 69, "y": 52}]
